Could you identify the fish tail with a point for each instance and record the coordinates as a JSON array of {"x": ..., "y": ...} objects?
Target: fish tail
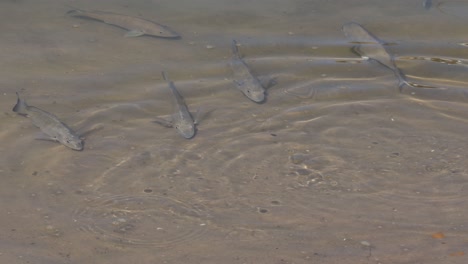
[
  {"x": 402, "y": 82},
  {"x": 171, "y": 84},
  {"x": 21, "y": 107},
  {"x": 235, "y": 49}
]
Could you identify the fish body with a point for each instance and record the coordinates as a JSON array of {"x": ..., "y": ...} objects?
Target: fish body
[
  {"x": 182, "y": 120},
  {"x": 370, "y": 47},
  {"x": 243, "y": 77},
  {"x": 427, "y": 4},
  {"x": 135, "y": 26},
  {"x": 49, "y": 124}
]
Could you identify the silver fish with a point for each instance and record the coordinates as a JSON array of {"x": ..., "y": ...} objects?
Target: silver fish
[
  {"x": 181, "y": 120},
  {"x": 135, "y": 26},
  {"x": 49, "y": 124},
  {"x": 370, "y": 47},
  {"x": 427, "y": 4},
  {"x": 245, "y": 80}
]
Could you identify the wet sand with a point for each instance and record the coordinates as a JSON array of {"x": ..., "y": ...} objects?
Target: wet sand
[{"x": 337, "y": 166}]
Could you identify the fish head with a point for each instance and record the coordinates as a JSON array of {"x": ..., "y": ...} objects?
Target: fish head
[
  {"x": 185, "y": 129},
  {"x": 164, "y": 32},
  {"x": 254, "y": 94},
  {"x": 72, "y": 141}
]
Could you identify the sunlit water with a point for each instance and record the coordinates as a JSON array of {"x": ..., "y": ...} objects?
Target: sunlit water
[{"x": 337, "y": 166}]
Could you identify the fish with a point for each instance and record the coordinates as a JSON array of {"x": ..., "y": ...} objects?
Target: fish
[
  {"x": 181, "y": 119},
  {"x": 372, "y": 48},
  {"x": 49, "y": 124},
  {"x": 135, "y": 26},
  {"x": 249, "y": 85},
  {"x": 427, "y": 4}
]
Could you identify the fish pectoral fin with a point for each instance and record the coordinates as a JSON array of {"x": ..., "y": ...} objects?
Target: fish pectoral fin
[
  {"x": 200, "y": 115},
  {"x": 196, "y": 116},
  {"x": 84, "y": 134},
  {"x": 268, "y": 82},
  {"x": 163, "y": 122},
  {"x": 238, "y": 83},
  {"x": 134, "y": 33},
  {"x": 43, "y": 136},
  {"x": 356, "y": 49}
]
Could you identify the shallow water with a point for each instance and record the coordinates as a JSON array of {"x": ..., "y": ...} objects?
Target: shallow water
[{"x": 337, "y": 166}]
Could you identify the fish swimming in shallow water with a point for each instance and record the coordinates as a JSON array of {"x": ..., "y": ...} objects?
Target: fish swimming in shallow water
[
  {"x": 135, "y": 26},
  {"x": 243, "y": 77},
  {"x": 181, "y": 120},
  {"x": 49, "y": 124},
  {"x": 370, "y": 47},
  {"x": 427, "y": 4}
]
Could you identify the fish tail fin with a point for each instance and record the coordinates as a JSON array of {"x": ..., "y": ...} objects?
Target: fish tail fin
[
  {"x": 402, "y": 82},
  {"x": 235, "y": 49},
  {"x": 171, "y": 83},
  {"x": 21, "y": 107}
]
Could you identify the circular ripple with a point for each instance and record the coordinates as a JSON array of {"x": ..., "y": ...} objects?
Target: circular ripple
[
  {"x": 436, "y": 173},
  {"x": 146, "y": 220}
]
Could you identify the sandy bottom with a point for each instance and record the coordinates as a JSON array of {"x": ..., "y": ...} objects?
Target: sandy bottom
[{"x": 337, "y": 166}]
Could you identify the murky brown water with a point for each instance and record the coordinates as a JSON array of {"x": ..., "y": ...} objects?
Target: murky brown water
[{"x": 337, "y": 166}]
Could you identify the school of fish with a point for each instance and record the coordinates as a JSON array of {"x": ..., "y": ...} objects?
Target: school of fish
[{"x": 365, "y": 44}]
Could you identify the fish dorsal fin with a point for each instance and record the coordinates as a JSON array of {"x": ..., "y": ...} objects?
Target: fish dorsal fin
[
  {"x": 21, "y": 107},
  {"x": 163, "y": 122}
]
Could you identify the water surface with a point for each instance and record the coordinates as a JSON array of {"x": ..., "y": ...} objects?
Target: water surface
[{"x": 337, "y": 166}]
